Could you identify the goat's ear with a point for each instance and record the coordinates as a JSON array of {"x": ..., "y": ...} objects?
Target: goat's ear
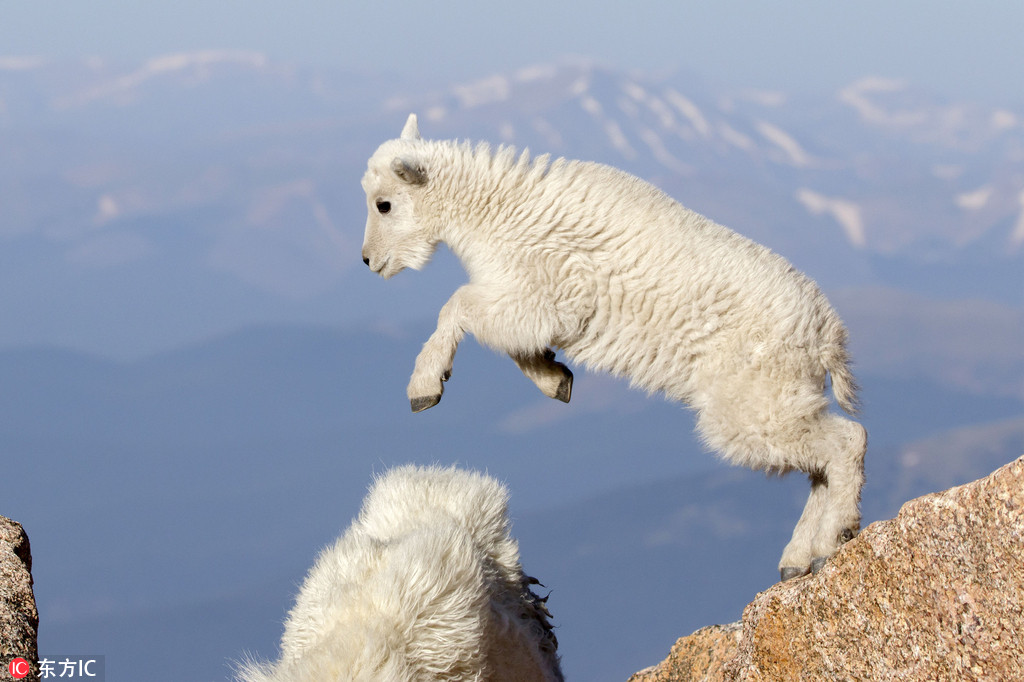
[
  {"x": 411, "y": 131},
  {"x": 408, "y": 171}
]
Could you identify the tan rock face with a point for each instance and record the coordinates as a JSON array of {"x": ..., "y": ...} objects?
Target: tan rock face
[
  {"x": 935, "y": 594},
  {"x": 19, "y": 620},
  {"x": 699, "y": 657}
]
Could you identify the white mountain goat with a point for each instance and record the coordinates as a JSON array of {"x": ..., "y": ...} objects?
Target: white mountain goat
[
  {"x": 620, "y": 277},
  {"x": 425, "y": 585}
]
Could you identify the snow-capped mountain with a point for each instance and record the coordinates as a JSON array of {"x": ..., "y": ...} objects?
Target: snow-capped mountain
[
  {"x": 894, "y": 169},
  {"x": 228, "y": 174}
]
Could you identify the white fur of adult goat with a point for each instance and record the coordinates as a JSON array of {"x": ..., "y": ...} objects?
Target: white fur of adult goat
[
  {"x": 424, "y": 586},
  {"x": 606, "y": 267}
]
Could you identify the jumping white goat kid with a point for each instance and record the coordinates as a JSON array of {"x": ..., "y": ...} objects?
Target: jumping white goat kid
[
  {"x": 606, "y": 267},
  {"x": 424, "y": 586}
]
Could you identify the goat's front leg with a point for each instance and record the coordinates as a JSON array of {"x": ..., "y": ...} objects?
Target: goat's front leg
[
  {"x": 553, "y": 378},
  {"x": 469, "y": 309},
  {"x": 502, "y": 319},
  {"x": 434, "y": 362}
]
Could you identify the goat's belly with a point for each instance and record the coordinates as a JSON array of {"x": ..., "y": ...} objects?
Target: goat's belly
[{"x": 655, "y": 363}]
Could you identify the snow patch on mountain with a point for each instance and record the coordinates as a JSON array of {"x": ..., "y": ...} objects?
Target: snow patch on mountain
[
  {"x": 736, "y": 138},
  {"x": 793, "y": 151},
  {"x": 663, "y": 155},
  {"x": 859, "y": 96},
  {"x": 537, "y": 72},
  {"x": 619, "y": 139},
  {"x": 490, "y": 90},
  {"x": 843, "y": 211},
  {"x": 197, "y": 65},
  {"x": 976, "y": 199},
  {"x": 691, "y": 111},
  {"x": 611, "y": 128},
  {"x": 21, "y": 63},
  {"x": 1003, "y": 120}
]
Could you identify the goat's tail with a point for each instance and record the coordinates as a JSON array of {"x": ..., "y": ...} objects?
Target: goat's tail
[{"x": 836, "y": 360}]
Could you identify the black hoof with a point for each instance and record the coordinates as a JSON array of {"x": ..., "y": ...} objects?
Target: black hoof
[
  {"x": 420, "y": 404},
  {"x": 564, "y": 391},
  {"x": 790, "y": 572},
  {"x": 847, "y": 535},
  {"x": 818, "y": 563}
]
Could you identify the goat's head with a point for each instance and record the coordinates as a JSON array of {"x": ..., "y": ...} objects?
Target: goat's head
[{"x": 396, "y": 235}]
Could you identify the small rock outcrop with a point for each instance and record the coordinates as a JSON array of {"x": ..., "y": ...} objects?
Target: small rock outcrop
[
  {"x": 935, "y": 594},
  {"x": 19, "y": 620}
]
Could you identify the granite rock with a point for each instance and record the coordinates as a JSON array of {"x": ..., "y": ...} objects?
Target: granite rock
[
  {"x": 19, "y": 620},
  {"x": 936, "y": 593},
  {"x": 696, "y": 658}
]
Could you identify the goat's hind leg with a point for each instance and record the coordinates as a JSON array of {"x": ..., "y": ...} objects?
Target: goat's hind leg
[
  {"x": 832, "y": 514},
  {"x": 798, "y": 555},
  {"x": 553, "y": 378},
  {"x": 840, "y": 519}
]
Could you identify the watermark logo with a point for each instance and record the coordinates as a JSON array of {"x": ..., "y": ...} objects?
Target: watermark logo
[
  {"x": 19, "y": 668},
  {"x": 82, "y": 668}
]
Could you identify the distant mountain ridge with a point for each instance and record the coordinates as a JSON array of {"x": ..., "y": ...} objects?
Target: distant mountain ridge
[
  {"x": 894, "y": 168},
  {"x": 839, "y": 155},
  {"x": 161, "y": 203}
]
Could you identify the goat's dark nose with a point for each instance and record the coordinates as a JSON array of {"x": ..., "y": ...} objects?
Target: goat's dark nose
[{"x": 366, "y": 259}]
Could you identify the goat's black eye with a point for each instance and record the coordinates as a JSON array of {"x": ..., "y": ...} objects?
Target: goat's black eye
[{"x": 383, "y": 206}]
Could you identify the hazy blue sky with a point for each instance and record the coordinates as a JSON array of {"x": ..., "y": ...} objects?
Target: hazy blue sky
[{"x": 971, "y": 48}]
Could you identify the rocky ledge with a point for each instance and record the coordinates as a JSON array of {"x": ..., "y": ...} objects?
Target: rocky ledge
[
  {"x": 19, "y": 620},
  {"x": 935, "y": 594}
]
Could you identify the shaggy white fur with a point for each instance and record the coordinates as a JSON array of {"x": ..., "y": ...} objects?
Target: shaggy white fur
[
  {"x": 615, "y": 273},
  {"x": 425, "y": 585}
]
